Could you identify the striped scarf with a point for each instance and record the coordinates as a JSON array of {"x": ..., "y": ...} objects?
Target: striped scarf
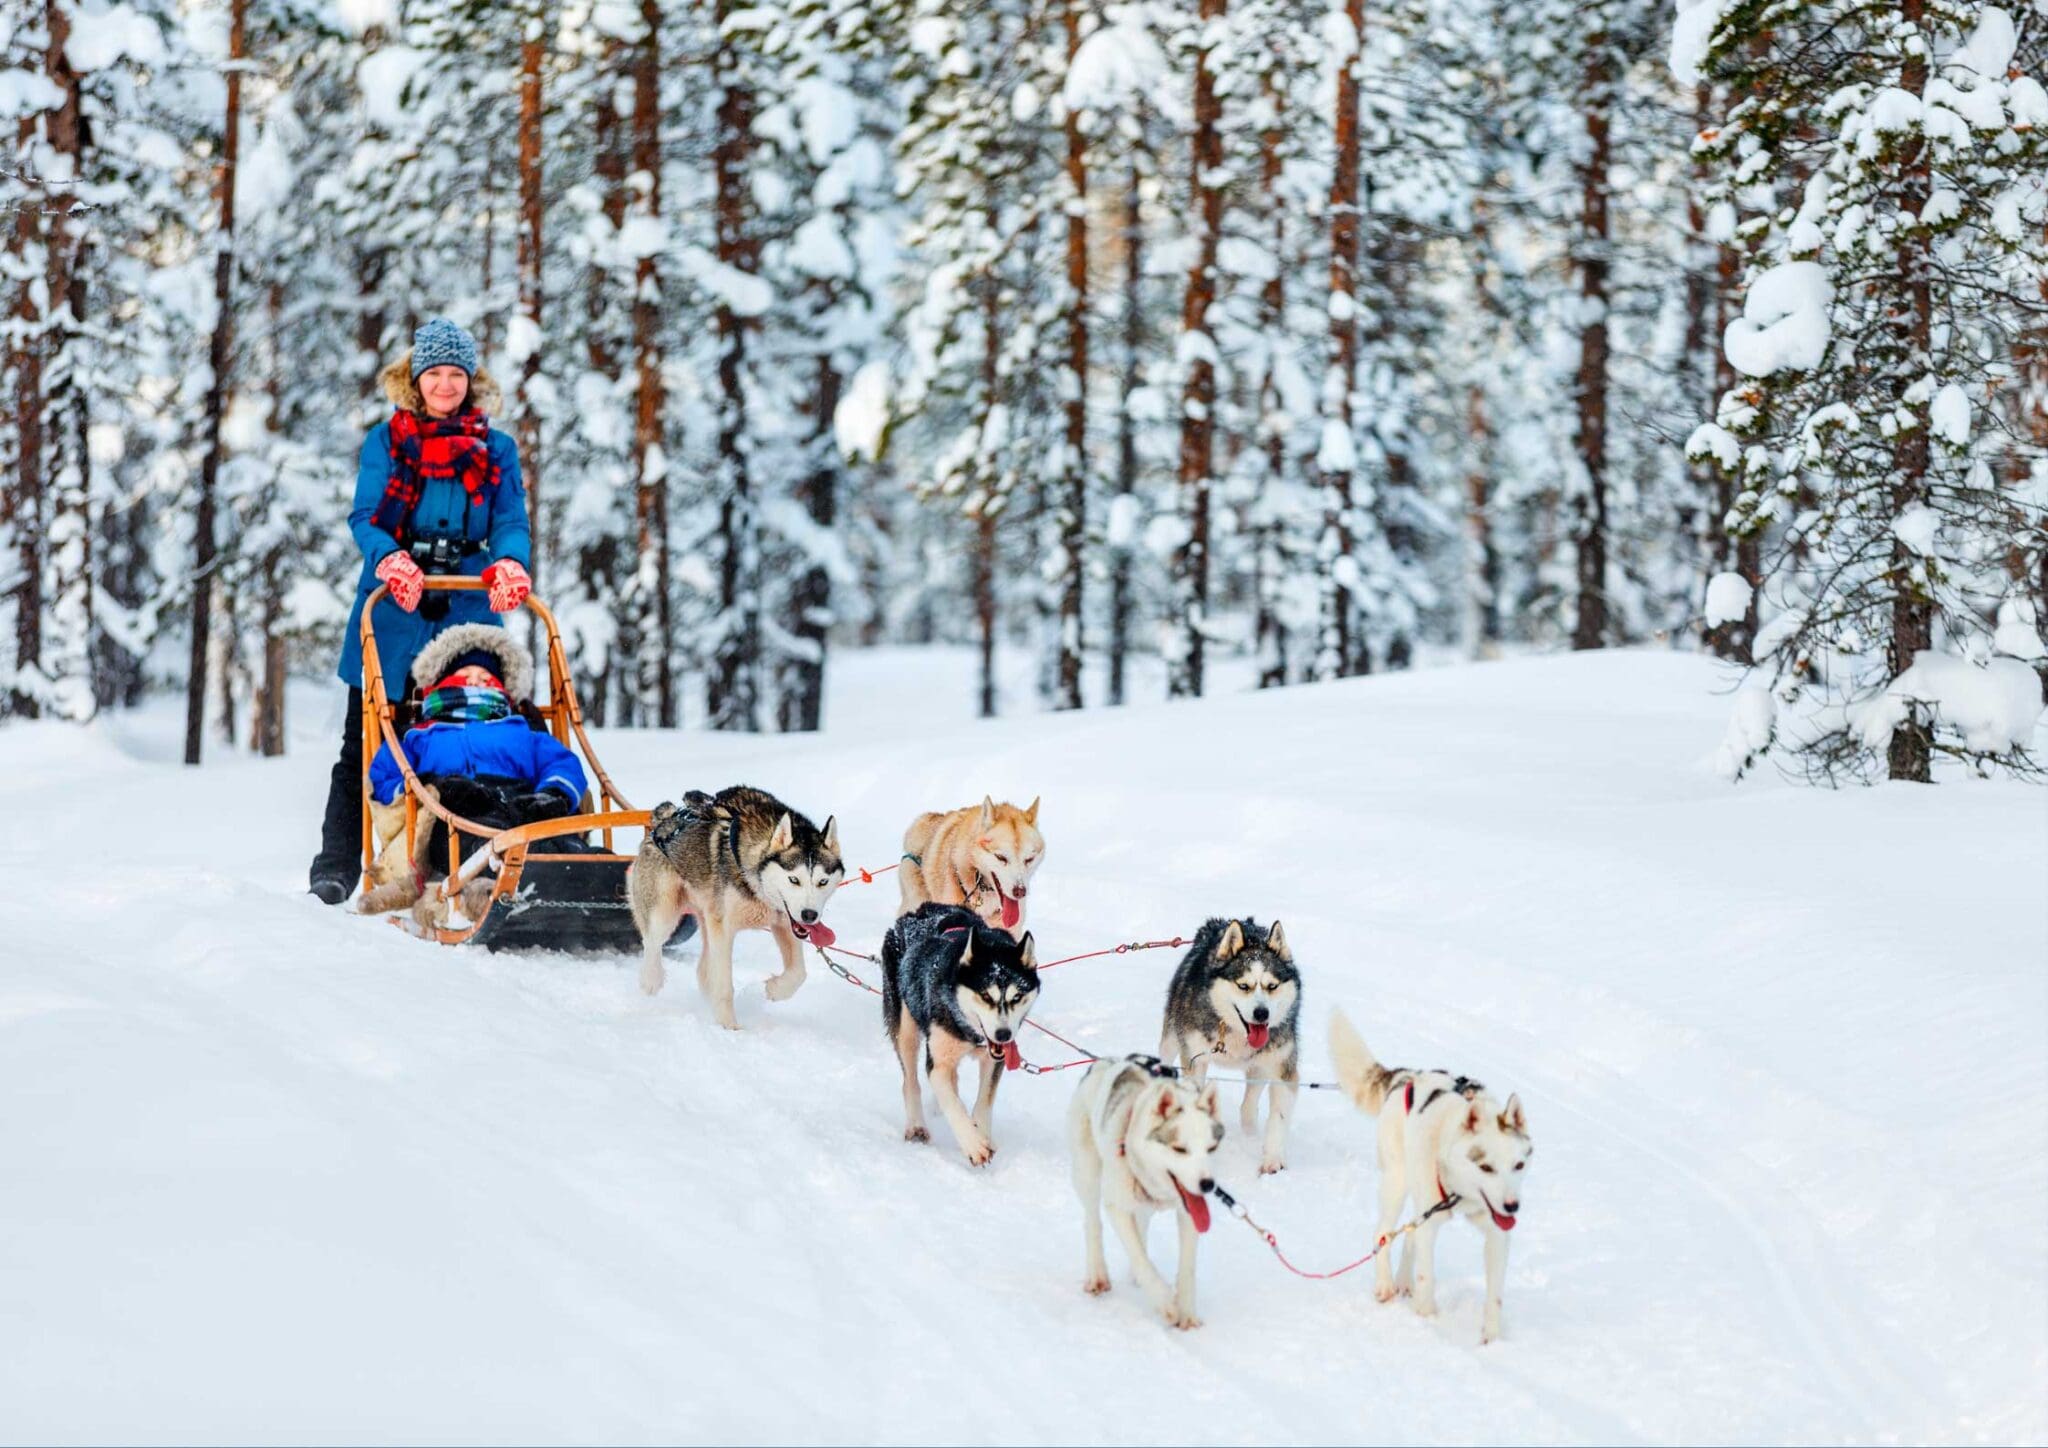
[
  {"x": 433, "y": 448},
  {"x": 461, "y": 704}
]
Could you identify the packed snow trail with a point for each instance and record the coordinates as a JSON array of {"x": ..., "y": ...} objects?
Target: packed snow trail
[{"x": 271, "y": 1171}]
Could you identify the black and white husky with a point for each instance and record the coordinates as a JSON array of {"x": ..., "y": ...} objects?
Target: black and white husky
[
  {"x": 1235, "y": 1001},
  {"x": 1141, "y": 1138},
  {"x": 1443, "y": 1142},
  {"x": 957, "y": 986}
]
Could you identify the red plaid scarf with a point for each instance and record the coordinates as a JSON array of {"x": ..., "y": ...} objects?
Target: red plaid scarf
[{"x": 455, "y": 447}]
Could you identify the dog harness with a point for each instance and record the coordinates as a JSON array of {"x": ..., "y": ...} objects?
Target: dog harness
[{"x": 1463, "y": 1086}]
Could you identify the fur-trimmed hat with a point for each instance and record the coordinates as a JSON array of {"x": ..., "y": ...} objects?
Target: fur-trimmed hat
[
  {"x": 444, "y": 652},
  {"x": 438, "y": 342}
]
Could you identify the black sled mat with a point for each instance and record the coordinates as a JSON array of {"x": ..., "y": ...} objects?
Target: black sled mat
[{"x": 574, "y": 905}]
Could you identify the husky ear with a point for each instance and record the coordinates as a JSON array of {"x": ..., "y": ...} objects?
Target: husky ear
[
  {"x": 1276, "y": 941},
  {"x": 832, "y": 833},
  {"x": 1208, "y": 1102},
  {"x": 1472, "y": 1118},
  {"x": 1166, "y": 1105},
  {"x": 988, "y": 810},
  {"x": 1031, "y": 815},
  {"x": 1513, "y": 1119},
  {"x": 1027, "y": 951},
  {"x": 967, "y": 950},
  {"x": 1231, "y": 943},
  {"x": 784, "y": 836}
]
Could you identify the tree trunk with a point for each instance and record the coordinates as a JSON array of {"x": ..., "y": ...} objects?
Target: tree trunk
[
  {"x": 1198, "y": 390},
  {"x": 1127, "y": 424},
  {"x": 532, "y": 55},
  {"x": 735, "y": 688},
  {"x": 68, "y": 659},
  {"x": 1393, "y": 254},
  {"x": 26, "y": 497},
  {"x": 266, "y": 724},
  {"x": 1590, "y": 630},
  {"x": 1340, "y": 653},
  {"x": 1073, "y": 508},
  {"x": 984, "y": 512},
  {"x": 652, "y": 622},
  {"x": 597, "y": 559},
  {"x": 1483, "y": 592},
  {"x": 1910, "y": 756},
  {"x": 1269, "y": 560},
  {"x": 218, "y": 356},
  {"x": 800, "y": 700}
]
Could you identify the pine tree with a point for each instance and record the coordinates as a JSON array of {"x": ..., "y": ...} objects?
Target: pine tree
[{"x": 1879, "y": 317}]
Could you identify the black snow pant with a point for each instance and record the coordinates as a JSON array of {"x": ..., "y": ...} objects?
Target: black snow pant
[
  {"x": 341, "y": 828},
  {"x": 497, "y": 804}
]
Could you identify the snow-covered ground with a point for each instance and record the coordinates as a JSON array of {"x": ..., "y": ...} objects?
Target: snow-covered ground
[{"x": 272, "y": 1171}]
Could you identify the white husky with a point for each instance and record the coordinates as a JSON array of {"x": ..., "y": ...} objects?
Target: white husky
[
  {"x": 1442, "y": 1139},
  {"x": 1142, "y": 1138}
]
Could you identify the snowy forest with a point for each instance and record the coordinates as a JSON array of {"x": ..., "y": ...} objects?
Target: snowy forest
[{"x": 1178, "y": 346}]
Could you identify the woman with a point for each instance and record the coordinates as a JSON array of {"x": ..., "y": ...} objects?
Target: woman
[{"x": 437, "y": 491}]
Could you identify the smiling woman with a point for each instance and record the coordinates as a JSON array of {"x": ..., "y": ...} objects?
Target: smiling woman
[{"x": 437, "y": 491}]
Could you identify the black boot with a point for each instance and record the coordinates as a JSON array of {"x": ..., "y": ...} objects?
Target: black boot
[{"x": 338, "y": 866}]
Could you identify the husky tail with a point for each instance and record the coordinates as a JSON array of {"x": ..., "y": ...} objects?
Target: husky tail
[
  {"x": 892, "y": 984},
  {"x": 1365, "y": 1079}
]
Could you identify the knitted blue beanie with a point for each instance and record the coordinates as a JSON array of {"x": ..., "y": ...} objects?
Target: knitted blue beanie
[{"x": 440, "y": 343}]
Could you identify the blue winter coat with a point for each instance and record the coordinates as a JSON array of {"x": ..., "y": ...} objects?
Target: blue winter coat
[
  {"x": 501, "y": 749},
  {"x": 498, "y": 521}
]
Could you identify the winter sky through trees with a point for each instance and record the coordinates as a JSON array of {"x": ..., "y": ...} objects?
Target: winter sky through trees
[{"x": 1313, "y": 339}]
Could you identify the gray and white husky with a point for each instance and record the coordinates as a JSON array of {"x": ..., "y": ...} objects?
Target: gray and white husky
[
  {"x": 1235, "y": 1000},
  {"x": 1442, "y": 1139},
  {"x": 956, "y": 986},
  {"x": 737, "y": 860},
  {"x": 1142, "y": 1138}
]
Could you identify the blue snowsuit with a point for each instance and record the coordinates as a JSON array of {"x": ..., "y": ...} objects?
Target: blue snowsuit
[
  {"x": 497, "y": 521},
  {"x": 499, "y": 749}
]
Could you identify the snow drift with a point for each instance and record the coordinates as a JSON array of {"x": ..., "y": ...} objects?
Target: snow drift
[{"x": 268, "y": 1171}]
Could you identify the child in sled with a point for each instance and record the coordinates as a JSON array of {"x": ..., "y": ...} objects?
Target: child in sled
[{"x": 476, "y": 751}]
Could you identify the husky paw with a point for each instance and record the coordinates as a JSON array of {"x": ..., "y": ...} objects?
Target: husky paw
[
  {"x": 916, "y": 1133},
  {"x": 1489, "y": 1334},
  {"x": 1096, "y": 1285},
  {"x": 652, "y": 979},
  {"x": 977, "y": 1151},
  {"x": 782, "y": 987},
  {"x": 1385, "y": 1292},
  {"x": 1181, "y": 1320},
  {"x": 726, "y": 1016},
  {"x": 1270, "y": 1165},
  {"x": 1424, "y": 1306}
]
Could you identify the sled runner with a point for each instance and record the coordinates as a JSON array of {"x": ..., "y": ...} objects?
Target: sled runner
[{"x": 551, "y": 890}]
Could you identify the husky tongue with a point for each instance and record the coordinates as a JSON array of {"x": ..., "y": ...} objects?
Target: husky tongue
[
  {"x": 818, "y": 933},
  {"x": 1012, "y": 911},
  {"x": 1196, "y": 1207},
  {"x": 1258, "y": 1036},
  {"x": 1012, "y": 1057},
  {"x": 1506, "y": 1224}
]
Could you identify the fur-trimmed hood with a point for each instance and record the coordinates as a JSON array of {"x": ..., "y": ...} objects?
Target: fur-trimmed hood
[
  {"x": 431, "y": 664},
  {"x": 396, "y": 380}
]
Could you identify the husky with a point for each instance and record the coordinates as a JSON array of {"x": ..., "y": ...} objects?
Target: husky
[
  {"x": 1235, "y": 999},
  {"x": 1142, "y": 1136},
  {"x": 982, "y": 857},
  {"x": 1442, "y": 1140},
  {"x": 739, "y": 860},
  {"x": 956, "y": 985}
]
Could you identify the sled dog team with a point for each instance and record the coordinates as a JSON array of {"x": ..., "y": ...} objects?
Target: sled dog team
[{"x": 959, "y": 979}]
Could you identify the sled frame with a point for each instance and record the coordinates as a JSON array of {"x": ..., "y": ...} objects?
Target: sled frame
[{"x": 510, "y": 851}]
